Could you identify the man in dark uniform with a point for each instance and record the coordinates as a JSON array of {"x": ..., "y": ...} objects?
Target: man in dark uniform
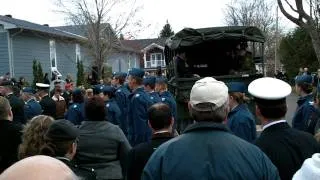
[
  {"x": 31, "y": 108},
  {"x": 286, "y": 147},
  {"x": 113, "y": 111},
  {"x": 48, "y": 105},
  {"x": 140, "y": 101},
  {"x": 59, "y": 135},
  {"x": 306, "y": 116},
  {"x": 122, "y": 98},
  {"x": 16, "y": 103},
  {"x": 149, "y": 86},
  {"x": 182, "y": 66},
  {"x": 161, "y": 123}
]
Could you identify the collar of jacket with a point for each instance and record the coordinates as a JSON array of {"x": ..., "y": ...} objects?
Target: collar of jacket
[
  {"x": 205, "y": 126},
  {"x": 162, "y": 135},
  {"x": 275, "y": 127},
  {"x": 139, "y": 89},
  {"x": 237, "y": 108},
  {"x": 165, "y": 94},
  {"x": 302, "y": 100}
]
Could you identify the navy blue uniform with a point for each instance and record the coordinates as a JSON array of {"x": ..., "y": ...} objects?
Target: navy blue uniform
[
  {"x": 113, "y": 112},
  {"x": 122, "y": 98},
  {"x": 242, "y": 123},
  {"x": 139, "y": 130},
  {"x": 17, "y": 106},
  {"x": 306, "y": 116},
  {"x": 167, "y": 98},
  {"x": 48, "y": 106},
  {"x": 155, "y": 97},
  {"x": 75, "y": 113},
  {"x": 32, "y": 108}
]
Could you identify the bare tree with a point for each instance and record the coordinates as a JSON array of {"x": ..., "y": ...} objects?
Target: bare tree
[
  {"x": 102, "y": 23},
  {"x": 259, "y": 13},
  {"x": 309, "y": 21}
]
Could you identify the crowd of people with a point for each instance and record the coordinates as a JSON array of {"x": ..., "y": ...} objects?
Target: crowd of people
[{"x": 127, "y": 130}]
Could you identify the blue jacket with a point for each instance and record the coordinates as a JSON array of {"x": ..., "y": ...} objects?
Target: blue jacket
[
  {"x": 241, "y": 122},
  {"x": 113, "y": 112},
  {"x": 306, "y": 116},
  {"x": 75, "y": 113},
  {"x": 207, "y": 150},
  {"x": 155, "y": 97},
  {"x": 139, "y": 130},
  {"x": 122, "y": 99},
  {"x": 167, "y": 98},
  {"x": 31, "y": 109}
]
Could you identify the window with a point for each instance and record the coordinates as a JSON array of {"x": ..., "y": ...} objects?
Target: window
[
  {"x": 157, "y": 60},
  {"x": 78, "y": 53},
  {"x": 53, "y": 54}
]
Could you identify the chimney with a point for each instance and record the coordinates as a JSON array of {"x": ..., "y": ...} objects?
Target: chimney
[
  {"x": 46, "y": 25},
  {"x": 8, "y": 15}
]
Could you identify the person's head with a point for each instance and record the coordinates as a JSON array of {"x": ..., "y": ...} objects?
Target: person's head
[
  {"x": 21, "y": 79},
  {"x": 33, "y": 135},
  {"x": 61, "y": 140},
  {"x": 95, "y": 109},
  {"x": 236, "y": 94},
  {"x": 77, "y": 96},
  {"x": 149, "y": 83},
  {"x": 69, "y": 76},
  {"x": 38, "y": 168},
  {"x": 301, "y": 70},
  {"x": 43, "y": 89},
  {"x": 27, "y": 93},
  {"x": 119, "y": 79},
  {"x": 97, "y": 89},
  {"x": 304, "y": 85},
  {"x": 270, "y": 98},
  {"x": 305, "y": 69},
  {"x": 89, "y": 93},
  {"x": 6, "y": 88},
  {"x": 161, "y": 85},
  {"x": 108, "y": 92},
  {"x": 160, "y": 117},
  {"x": 5, "y": 109},
  {"x": 135, "y": 78},
  {"x": 209, "y": 100}
]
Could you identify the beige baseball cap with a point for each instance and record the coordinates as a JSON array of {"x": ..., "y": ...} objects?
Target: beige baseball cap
[{"x": 209, "y": 90}]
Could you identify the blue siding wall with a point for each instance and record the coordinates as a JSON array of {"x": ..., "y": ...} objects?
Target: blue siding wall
[
  {"x": 26, "y": 48},
  {"x": 66, "y": 59},
  {"x": 4, "y": 54},
  {"x": 123, "y": 61}
]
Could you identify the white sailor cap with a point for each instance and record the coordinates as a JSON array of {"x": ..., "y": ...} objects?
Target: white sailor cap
[
  {"x": 42, "y": 85},
  {"x": 269, "y": 88}
]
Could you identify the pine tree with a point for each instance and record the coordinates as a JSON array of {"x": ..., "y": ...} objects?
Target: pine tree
[
  {"x": 40, "y": 73},
  {"x": 80, "y": 74},
  {"x": 121, "y": 37},
  {"x": 166, "y": 31},
  {"x": 35, "y": 73}
]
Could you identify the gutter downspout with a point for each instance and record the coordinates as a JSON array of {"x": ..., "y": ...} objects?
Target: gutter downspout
[{"x": 10, "y": 51}]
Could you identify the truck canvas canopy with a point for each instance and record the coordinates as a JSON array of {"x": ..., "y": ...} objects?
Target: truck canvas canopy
[{"x": 190, "y": 37}]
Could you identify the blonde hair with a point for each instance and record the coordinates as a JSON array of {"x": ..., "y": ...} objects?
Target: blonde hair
[
  {"x": 4, "y": 107},
  {"x": 33, "y": 137}
]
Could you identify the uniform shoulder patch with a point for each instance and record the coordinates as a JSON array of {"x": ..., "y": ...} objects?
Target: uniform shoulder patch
[
  {"x": 163, "y": 99},
  {"x": 119, "y": 90},
  {"x": 75, "y": 106},
  {"x": 311, "y": 103},
  {"x": 108, "y": 105},
  {"x": 137, "y": 95},
  {"x": 151, "y": 97}
]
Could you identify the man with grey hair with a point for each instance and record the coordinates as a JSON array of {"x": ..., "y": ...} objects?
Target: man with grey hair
[
  {"x": 38, "y": 168},
  {"x": 206, "y": 149}
]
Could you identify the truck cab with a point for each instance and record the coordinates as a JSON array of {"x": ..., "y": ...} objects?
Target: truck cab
[{"x": 224, "y": 53}]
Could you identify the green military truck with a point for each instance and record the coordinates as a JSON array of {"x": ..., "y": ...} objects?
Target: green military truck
[{"x": 224, "y": 53}]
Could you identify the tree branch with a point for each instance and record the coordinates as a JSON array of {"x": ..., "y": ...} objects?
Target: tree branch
[
  {"x": 287, "y": 15},
  {"x": 291, "y": 6}
]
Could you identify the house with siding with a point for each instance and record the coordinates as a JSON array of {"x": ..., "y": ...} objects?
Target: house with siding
[
  {"x": 142, "y": 53},
  {"x": 21, "y": 42}
]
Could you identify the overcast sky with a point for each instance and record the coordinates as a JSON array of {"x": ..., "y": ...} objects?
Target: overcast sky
[{"x": 180, "y": 13}]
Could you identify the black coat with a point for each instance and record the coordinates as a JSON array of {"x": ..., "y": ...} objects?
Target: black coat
[
  {"x": 139, "y": 155},
  {"x": 17, "y": 106},
  {"x": 287, "y": 148},
  {"x": 48, "y": 106},
  {"x": 83, "y": 173},
  {"x": 10, "y": 138}
]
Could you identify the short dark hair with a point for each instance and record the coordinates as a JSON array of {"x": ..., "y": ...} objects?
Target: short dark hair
[
  {"x": 160, "y": 116},
  {"x": 152, "y": 86},
  {"x": 78, "y": 98},
  {"x": 55, "y": 148},
  {"x": 138, "y": 80},
  {"x": 95, "y": 109},
  {"x": 121, "y": 79},
  {"x": 217, "y": 114},
  {"x": 306, "y": 87},
  {"x": 272, "y": 109}
]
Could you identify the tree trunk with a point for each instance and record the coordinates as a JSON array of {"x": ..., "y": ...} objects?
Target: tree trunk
[{"x": 315, "y": 42}]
